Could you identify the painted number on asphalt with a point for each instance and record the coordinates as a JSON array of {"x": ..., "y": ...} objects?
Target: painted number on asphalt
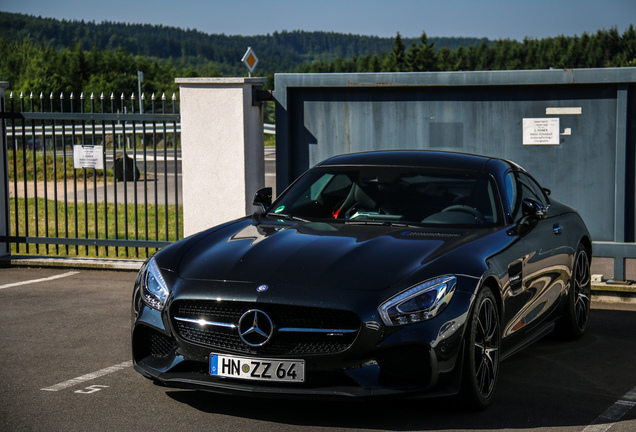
[{"x": 91, "y": 389}]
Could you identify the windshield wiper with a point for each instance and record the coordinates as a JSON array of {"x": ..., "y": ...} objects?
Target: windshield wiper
[
  {"x": 288, "y": 217},
  {"x": 406, "y": 224},
  {"x": 383, "y": 223},
  {"x": 366, "y": 222}
]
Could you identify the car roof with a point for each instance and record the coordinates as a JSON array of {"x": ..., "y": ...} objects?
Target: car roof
[{"x": 423, "y": 158}]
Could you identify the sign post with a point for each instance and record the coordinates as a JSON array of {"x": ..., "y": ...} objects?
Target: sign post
[{"x": 140, "y": 78}]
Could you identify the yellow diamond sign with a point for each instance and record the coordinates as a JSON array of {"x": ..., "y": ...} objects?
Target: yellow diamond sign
[{"x": 250, "y": 60}]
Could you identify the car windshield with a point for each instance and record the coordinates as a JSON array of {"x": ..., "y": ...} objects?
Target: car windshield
[{"x": 377, "y": 194}]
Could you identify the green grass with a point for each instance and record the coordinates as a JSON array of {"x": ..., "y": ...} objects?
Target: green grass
[
  {"x": 270, "y": 140},
  {"x": 38, "y": 219}
]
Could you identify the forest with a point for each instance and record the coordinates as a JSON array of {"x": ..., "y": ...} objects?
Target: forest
[{"x": 60, "y": 56}]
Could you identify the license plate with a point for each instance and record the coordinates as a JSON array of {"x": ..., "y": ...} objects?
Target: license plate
[{"x": 257, "y": 369}]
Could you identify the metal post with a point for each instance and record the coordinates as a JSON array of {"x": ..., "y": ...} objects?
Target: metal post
[
  {"x": 140, "y": 78},
  {"x": 4, "y": 181}
]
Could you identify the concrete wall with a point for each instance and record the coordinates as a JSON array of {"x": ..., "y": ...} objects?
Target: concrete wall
[{"x": 222, "y": 149}]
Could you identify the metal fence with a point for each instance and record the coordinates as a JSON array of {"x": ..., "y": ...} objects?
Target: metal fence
[{"x": 91, "y": 177}]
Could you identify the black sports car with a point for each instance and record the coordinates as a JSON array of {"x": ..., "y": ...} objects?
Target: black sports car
[{"x": 375, "y": 274}]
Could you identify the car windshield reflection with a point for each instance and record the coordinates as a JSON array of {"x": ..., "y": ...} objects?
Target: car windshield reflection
[{"x": 391, "y": 195}]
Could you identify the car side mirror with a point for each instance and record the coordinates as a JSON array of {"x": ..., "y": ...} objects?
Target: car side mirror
[
  {"x": 263, "y": 198},
  {"x": 534, "y": 209}
]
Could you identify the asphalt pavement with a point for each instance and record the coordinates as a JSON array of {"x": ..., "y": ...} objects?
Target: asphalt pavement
[{"x": 65, "y": 366}]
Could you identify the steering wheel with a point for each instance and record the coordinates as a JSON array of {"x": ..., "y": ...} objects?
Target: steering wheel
[{"x": 466, "y": 209}]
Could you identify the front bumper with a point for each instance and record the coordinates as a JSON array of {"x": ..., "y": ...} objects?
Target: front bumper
[{"x": 422, "y": 359}]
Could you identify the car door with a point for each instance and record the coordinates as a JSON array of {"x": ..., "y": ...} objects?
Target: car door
[{"x": 539, "y": 274}]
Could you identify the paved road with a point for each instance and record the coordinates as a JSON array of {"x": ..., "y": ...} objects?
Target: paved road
[{"x": 65, "y": 366}]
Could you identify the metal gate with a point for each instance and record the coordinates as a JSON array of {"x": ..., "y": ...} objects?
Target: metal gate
[
  {"x": 589, "y": 163},
  {"x": 90, "y": 177}
]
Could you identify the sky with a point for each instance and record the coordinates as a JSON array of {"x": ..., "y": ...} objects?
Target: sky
[{"x": 493, "y": 19}]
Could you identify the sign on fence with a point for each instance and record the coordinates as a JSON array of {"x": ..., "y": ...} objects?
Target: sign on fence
[{"x": 88, "y": 156}]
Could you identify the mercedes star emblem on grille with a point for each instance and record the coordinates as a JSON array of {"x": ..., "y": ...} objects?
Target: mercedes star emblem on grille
[{"x": 255, "y": 328}]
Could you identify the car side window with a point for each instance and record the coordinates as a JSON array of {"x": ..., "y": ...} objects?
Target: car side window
[
  {"x": 520, "y": 186},
  {"x": 511, "y": 191}
]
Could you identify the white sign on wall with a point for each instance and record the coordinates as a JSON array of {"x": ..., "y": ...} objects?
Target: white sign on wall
[
  {"x": 540, "y": 131},
  {"x": 88, "y": 157}
]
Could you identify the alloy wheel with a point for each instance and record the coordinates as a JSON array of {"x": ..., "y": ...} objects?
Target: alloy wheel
[
  {"x": 486, "y": 348},
  {"x": 582, "y": 290}
]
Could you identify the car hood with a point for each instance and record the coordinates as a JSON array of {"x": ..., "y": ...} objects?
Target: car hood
[{"x": 334, "y": 255}]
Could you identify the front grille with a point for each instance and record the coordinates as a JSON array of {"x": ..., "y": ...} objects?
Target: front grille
[
  {"x": 160, "y": 345},
  {"x": 150, "y": 342},
  {"x": 291, "y": 343}
]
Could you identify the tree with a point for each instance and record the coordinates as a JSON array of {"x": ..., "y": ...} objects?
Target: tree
[
  {"x": 482, "y": 58},
  {"x": 396, "y": 60},
  {"x": 375, "y": 65},
  {"x": 444, "y": 60},
  {"x": 627, "y": 49},
  {"x": 460, "y": 60},
  {"x": 422, "y": 57}
]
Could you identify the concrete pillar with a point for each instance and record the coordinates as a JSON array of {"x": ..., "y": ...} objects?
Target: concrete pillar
[
  {"x": 4, "y": 181},
  {"x": 222, "y": 149}
]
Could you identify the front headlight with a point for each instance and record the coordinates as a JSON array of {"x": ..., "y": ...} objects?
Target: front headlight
[
  {"x": 155, "y": 291},
  {"x": 418, "y": 303}
]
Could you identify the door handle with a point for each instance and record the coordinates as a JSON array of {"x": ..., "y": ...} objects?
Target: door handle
[{"x": 557, "y": 229}]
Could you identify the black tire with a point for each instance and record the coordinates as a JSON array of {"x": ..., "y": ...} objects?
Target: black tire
[
  {"x": 481, "y": 358},
  {"x": 577, "y": 309}
]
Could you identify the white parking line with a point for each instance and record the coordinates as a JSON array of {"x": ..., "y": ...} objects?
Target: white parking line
[
  {"x": 614, "y": 413},
  {"x": 91, "y": 376},
  {"x": 28, "y": 282}
]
